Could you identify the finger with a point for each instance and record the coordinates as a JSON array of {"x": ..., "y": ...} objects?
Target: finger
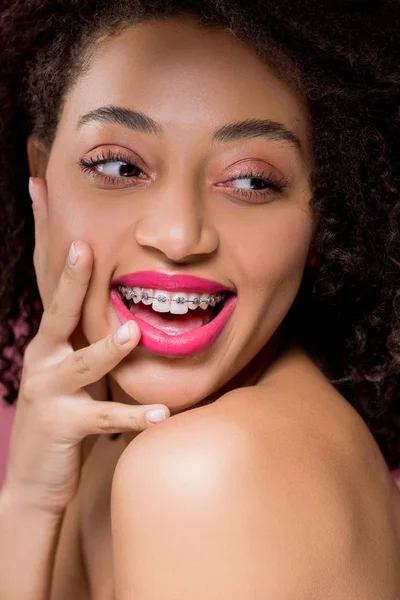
[
  {"x": 94, "y": 417},
  {"x": 87, "y": 365},
  {"x": 63, "y": 313}
]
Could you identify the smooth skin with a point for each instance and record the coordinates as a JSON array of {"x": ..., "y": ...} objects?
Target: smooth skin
[
  {"x": 205, "y": 504},
  {"x": 236, "y": 501}
]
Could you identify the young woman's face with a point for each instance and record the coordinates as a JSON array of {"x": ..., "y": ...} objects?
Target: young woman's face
[{"x": 175, "y": 200}]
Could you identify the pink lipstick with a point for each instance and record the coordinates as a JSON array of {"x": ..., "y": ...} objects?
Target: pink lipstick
[
  {"x": 163, "y": 281},
  {"x": 157, "y": 340}
]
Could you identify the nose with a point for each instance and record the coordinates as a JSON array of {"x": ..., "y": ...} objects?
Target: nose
[{"x": 176, "y": 223}]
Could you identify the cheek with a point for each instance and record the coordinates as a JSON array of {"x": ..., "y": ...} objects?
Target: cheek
[
  {"x": 74, "y": 216},
  {"x": 274, "y": 248}
]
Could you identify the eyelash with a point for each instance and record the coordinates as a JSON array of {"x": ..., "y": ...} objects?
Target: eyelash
[{"x": 274, "y": 185}]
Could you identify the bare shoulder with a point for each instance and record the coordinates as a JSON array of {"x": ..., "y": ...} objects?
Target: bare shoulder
[{"x": 283, "y": 474}]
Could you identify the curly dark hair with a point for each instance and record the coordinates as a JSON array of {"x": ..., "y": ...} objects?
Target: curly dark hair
[{"x": 346, "y": 57}]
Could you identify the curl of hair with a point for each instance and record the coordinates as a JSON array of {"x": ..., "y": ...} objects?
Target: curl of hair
[{"x": 346, "y": 64}]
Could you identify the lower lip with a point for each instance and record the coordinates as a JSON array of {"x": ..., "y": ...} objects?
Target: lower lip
[{"x": 190, "y": 342}]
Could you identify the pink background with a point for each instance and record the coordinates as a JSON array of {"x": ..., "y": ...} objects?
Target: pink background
[
  {"x": 6, "y": 419},
  {"x": 7, "y": 412}
]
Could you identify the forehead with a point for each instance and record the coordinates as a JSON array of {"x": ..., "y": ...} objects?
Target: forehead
[{"x": 186, "y": 77}]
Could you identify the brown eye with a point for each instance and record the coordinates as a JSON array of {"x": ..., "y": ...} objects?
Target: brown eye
[
  {"x": 112, "y": 168},
  {"x": 118, "y": 169},
  {"x": 253, "y": 183}
]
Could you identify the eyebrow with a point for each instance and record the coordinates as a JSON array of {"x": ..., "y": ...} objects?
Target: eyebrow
[
  {"x": 132, "y": 119},
  {"x": 241, "y": 130}
]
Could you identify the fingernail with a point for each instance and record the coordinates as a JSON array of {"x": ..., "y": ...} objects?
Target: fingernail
[
  {"x": 73, "y": 255},
  {"x": 31, "y": 187},
  {"x": 157, "y": 415},
  {"x": 123, "y": 334}
]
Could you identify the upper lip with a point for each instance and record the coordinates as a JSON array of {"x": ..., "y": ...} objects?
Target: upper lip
[{"x": 163, "y": 281}]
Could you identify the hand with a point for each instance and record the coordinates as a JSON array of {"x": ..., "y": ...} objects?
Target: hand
[{"x": 54, "y": 410}]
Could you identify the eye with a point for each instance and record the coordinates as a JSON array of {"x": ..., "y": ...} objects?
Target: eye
[
  {"x": 118, "y": 168},
  {"x": 253, "y": 184},
  {"x": 111, "y": 167}
]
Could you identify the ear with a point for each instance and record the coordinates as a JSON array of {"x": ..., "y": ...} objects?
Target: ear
[{"x": 38, "y": 156}]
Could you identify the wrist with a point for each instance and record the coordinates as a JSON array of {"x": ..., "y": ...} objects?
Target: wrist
[{"x": 21, "y": 503}]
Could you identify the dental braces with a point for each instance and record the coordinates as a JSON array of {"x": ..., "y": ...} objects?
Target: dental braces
[{"x": 163, "y": 298}]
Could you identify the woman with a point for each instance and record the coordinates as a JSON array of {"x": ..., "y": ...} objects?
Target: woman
[{"x": 224, "y": 179}]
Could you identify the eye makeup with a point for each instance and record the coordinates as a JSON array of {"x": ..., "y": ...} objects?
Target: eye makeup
[{"x": 98, "y": 166}]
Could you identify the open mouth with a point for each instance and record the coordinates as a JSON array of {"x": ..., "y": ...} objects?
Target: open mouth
[
  {"x": 197, "y": 315},
  {"x": 174, "y": 323}
]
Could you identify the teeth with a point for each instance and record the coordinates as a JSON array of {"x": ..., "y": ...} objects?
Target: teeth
[
  {"x": 161, "y": 302},
  {"x": 194, "y": 301},
  {"x": 137, "y": 291},
  {"x": 177, "y": 303},
  {"x": 204, "y": 301},
  {"x": 180, "y": 306},
  {"x": 145, "y": 297}
]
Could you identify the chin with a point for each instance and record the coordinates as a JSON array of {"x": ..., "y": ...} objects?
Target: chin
[{"x": 144, "y": 384}]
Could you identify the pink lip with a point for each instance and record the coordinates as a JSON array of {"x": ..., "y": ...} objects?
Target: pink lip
[
  {"x": 155, "y": 340},
  {"x": 162, "y": 281}
]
